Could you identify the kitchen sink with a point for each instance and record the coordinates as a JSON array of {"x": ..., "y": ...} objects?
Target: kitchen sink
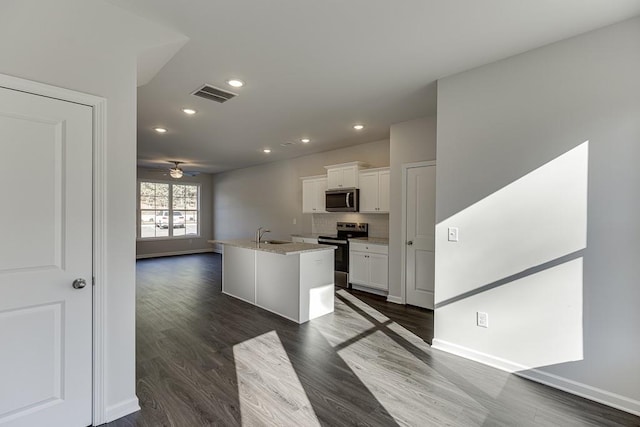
[{"x": 274, "y": 242}]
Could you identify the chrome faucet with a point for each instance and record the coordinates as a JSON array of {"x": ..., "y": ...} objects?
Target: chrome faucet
[{"x": 260, "y": 232}]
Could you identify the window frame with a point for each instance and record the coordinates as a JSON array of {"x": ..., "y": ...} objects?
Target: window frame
[{"x": 139, "y": 237}]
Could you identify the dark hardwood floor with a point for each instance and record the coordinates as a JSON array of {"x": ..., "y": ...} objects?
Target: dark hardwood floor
[{"x": 204, "y": 358}]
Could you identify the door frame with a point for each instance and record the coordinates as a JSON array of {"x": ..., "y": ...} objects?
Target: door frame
[
  {"x": 99, "y": 125},
  {"x": 403, "y": 226}
]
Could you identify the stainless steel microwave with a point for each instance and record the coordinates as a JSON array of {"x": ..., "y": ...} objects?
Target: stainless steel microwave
[{"x": 342, "y": 200}]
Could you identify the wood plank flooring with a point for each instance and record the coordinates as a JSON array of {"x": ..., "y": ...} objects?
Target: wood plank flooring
[{"x": 204, "y": 359}]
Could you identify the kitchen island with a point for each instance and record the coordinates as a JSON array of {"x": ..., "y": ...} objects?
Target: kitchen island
[{"x": 293, "y": 280}]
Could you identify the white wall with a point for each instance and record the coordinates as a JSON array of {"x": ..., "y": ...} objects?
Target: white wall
[
  {"x": 149, "y": 248},
  {"x": 270, "y": 195},
  {"x": 411, "y": 141},
  {"x": 91, "y": 47},
  {"x": 549, "y": 237}
]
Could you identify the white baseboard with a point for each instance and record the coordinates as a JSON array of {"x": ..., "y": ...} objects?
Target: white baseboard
[
  {"x": 394, "y": 299},
  {"x": 368, "y": 289},
  {"x": 161, "y": 254},
  {"x": 574, "y": 387},
  {"x": 122, "y": 409},
  {"x": 584, "y": 390}
]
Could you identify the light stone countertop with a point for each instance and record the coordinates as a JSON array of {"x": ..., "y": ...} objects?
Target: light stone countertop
[
  {"x": 308, "y": 235},
  {"x": 372, "y": 240},
  {"x": 282, "y": 249}
]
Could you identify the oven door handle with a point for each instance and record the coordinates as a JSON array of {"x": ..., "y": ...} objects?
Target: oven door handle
[{"x": 331, "y": 242}]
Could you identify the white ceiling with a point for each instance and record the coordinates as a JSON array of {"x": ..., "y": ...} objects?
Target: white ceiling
[{"x": 314, "y": 68}]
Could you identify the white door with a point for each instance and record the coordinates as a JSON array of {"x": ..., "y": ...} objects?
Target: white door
[
  {"x": 308, "y": 196},
  {"x": 46, "y": 219},
  {"x": 420, "y": 238},
  {"x": 384, "y": 191},
  {"x": 358, "y": 268},
  {"x": 369, "y": 192},
  {"x": 379, "y": 271},
  {"x": 320, "y": 191}
]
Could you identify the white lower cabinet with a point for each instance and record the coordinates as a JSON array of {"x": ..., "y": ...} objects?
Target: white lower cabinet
[{"x": 369, "y": 265}]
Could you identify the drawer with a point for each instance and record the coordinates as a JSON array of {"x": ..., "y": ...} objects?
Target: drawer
[{"x": 368, "y": 247}]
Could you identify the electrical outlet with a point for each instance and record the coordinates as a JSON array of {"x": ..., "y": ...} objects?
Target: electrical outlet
[
  {"x": 453, "y": 234},
  {"x": 295, "y": 221},
  {"x": 482, "y": 319}
]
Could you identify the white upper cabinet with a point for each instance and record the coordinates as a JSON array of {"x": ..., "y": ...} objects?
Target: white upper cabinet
[
  {"x": 374, "y": 190},
  {"x": 344, "y": 175},
  {"x": 313, "y": 199}
]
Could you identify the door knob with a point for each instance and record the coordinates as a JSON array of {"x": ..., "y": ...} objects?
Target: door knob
[
  {"x": 410, "y": 242},
  {"x": 79, "y": 283}
]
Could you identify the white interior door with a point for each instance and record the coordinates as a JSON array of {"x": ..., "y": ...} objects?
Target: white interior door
[
  {"x": 46, "y": 244},
  {"x": 420, "y": 211}
]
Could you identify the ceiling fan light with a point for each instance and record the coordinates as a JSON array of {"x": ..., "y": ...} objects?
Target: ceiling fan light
[{"x": 176, "y": 173}]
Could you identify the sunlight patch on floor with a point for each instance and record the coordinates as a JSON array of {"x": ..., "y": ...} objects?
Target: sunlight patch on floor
[
  {"x": 269, "y": 389},
  {"x": 363, "y": 306},
  {"x": 397, "y": 379}
]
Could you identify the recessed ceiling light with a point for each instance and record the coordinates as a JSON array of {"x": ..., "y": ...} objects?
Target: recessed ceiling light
[
  {"x": 305, "y": 140},
  {"x": 235, "y": 83},
  {"x": 160, "y": 130},
  {"x": 358, "y": 127},
  {"x": 266, "y": 150},
  {"x": 189, "y": 111}
]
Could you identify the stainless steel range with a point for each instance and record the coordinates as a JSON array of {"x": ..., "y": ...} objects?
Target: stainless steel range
[{"x": 345, "y": 231}]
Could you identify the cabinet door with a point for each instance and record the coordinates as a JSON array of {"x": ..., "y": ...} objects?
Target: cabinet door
[
  {"x": 384, "y": 190},
  {"x": 334, "y": 178},
  {"x": 320, "y": 200},
  {"x": 379, "y": 271},
  {"x": 350, "y": 177},
  {"x": 369, "y": 192},
  {"x": 308, "y": 196},
  {"x": 358, "y": 268}
]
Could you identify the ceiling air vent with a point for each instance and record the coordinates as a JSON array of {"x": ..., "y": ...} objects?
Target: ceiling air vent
[{"x": 214, "y": 94}]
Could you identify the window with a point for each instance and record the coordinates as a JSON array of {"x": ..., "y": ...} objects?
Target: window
[{"x": 168, "y": 210}]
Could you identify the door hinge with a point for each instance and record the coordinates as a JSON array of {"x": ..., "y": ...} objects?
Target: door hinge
[{"x": 93, "y": 281}]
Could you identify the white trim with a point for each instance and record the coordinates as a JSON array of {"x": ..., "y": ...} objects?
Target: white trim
[
  {"x": 369, "y": 289},
  {"x": 99, "y": 106},
  {"x": 486, "y": 359},
  {"x": 122, "y": 409},
  {"x": 394, "y": 299},
  {"x": 583, "y": 390},
  {"x": 574, "y": 387},
  {"x": 403, "y": 225},
  {"x": 99, "y": 261},
  {"x": 161, "y": 254}
]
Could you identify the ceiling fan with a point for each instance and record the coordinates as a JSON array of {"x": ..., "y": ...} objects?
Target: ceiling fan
[{"x": 177, "y": 172}]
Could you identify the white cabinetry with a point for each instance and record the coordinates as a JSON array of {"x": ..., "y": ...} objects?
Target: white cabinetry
[
  {"x": 313, "y": 194},
  {"x": 374, "y": 190},
  {"x": 369, "y": 266},
  {"x": 344, "y": 175}
]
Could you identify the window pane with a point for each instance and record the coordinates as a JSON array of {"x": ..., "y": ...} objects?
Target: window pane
[
  {"x": 191, "y": 218},
  {"x": 159, "y": 219},
  {"x": 147, "y": 224},
  {"x": 178, "y": 202},
  {"x": 191, "y": 203}
]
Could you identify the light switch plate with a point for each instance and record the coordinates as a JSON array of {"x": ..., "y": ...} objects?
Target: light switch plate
[
  {"x": 453, "y": 234},
  {"x": 482, "y": 319}
]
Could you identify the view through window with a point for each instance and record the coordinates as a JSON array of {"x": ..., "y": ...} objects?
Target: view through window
[{"x": 168, "y": 210}]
